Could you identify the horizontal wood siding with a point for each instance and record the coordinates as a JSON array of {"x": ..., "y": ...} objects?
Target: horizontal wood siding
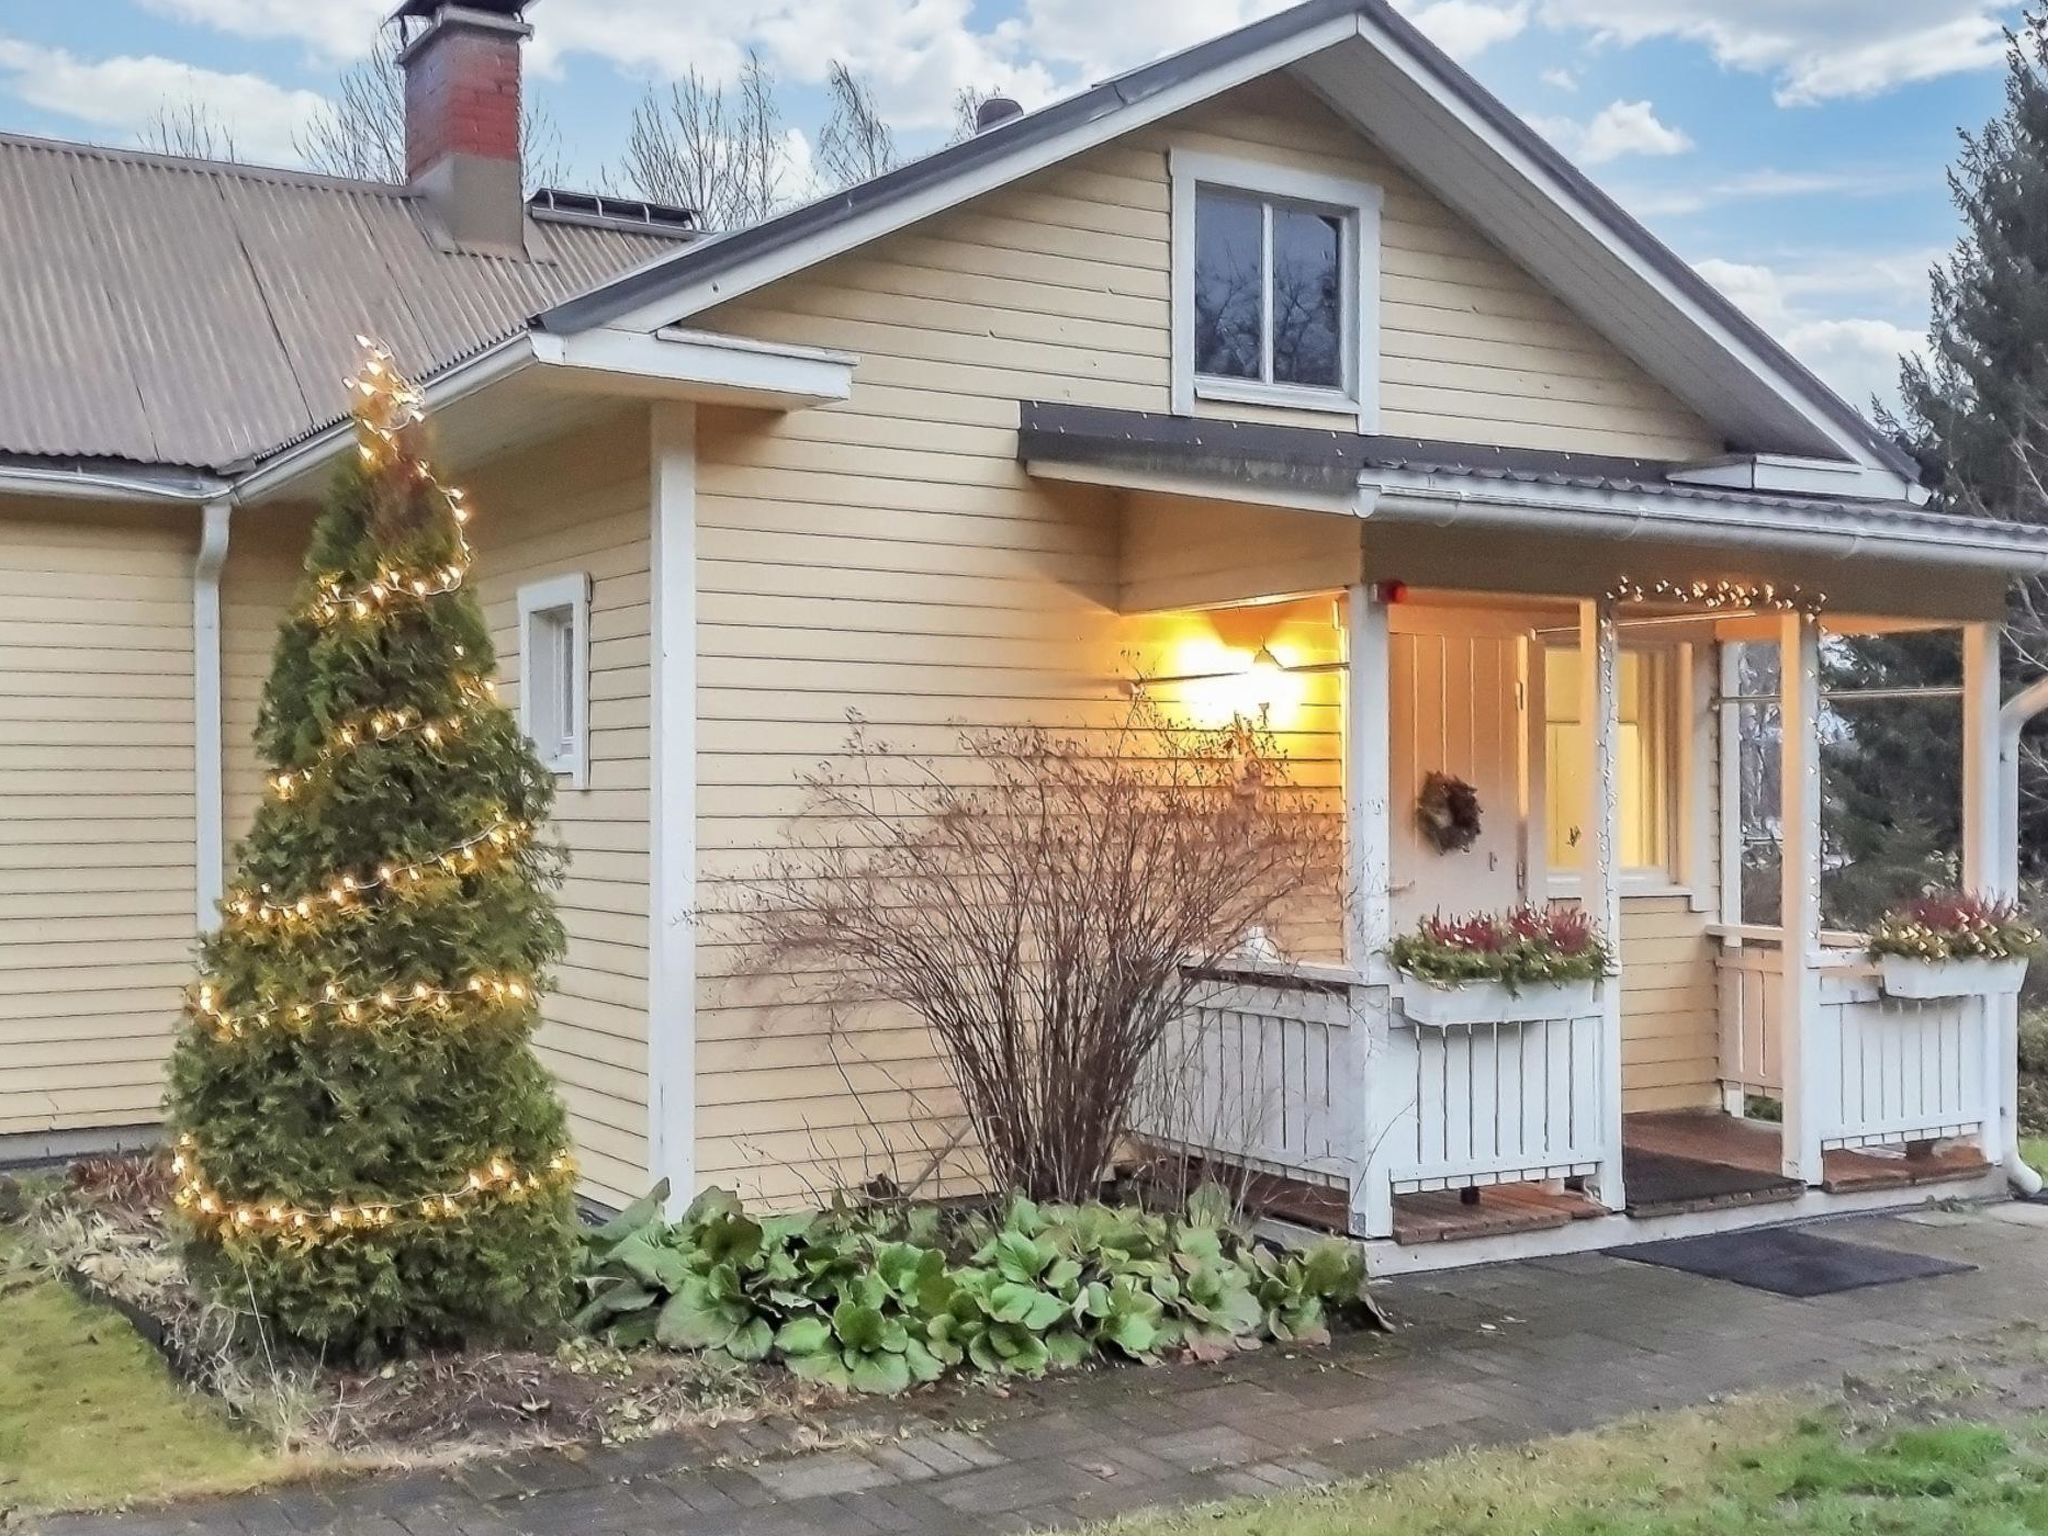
[
  {"x": 1670, "y": 1032},
  {"x": 888, "y": 558},
  {"x": 266, "y": 557},
  {"x": 582, "y": 504},
  {"x": 96, "y": 811}
]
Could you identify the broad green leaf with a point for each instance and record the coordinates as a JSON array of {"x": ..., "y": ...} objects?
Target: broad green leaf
[
  {"x": 803, "y": 1336},
  {"x": 640, "y": 1213},
  {"x": 881, "y": 1375}
]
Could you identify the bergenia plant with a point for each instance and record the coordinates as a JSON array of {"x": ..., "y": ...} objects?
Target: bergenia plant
[
  {"x": 1528, "y": 946},
  {"x": 1956, "y": 925}
]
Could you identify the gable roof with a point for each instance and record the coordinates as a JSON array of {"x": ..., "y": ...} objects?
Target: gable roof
[
  {"x": 1379, "y": 72},
  {"x": 166, "y": 311}
]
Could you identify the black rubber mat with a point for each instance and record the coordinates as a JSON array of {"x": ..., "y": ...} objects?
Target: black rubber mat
[
  {"x": 1657, "y": 1180},
  {"x": 1789, "y": 1262}
]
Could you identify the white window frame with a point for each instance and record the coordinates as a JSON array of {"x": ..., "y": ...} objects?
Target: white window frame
[
  {"x": 1359, "y": 204},
  {"x": 538, "y": 601},
  {"x": 1684, "y": 814}
]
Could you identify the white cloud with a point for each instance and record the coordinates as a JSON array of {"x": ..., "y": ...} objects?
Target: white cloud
[
  {"x": 1856, "y": 354},
  {"x": 1620, "y": 129},
  {"x": 125, "y": 94},
  {"x": 335, "y": 29},
  {"x": 1813, "y": 50},
  {"x": 1678, "y": 198},
  {"x": 1560, "y": 80},
  {"x": 1466, "y": 28}
]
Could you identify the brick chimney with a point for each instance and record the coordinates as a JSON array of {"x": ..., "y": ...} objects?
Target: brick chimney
[{"x": 461, "y": 63}]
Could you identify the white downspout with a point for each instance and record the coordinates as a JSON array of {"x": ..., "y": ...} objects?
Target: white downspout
[
  {"x": 210, "y": 851},
  {"x": 2012, "y": 719}
]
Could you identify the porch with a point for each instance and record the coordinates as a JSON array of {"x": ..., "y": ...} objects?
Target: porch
[{"x": 1730, "y": 1072}]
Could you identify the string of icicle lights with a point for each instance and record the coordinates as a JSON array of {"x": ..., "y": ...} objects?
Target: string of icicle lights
[
  {"x": 206, "y": 1206},
  {"x": 1722, "y": 596}
]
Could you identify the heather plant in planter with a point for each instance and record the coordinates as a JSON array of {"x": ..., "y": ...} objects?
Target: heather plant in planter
[
  {"x": 1954, "y": 944},
  {"x": 1528, "y": 963}
]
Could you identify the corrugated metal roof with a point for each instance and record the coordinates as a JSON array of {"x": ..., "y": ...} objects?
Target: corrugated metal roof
[{"x": 187, "y": 312}]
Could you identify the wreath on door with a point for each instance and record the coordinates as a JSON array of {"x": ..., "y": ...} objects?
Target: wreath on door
[{"x": 1448, "y": 812}]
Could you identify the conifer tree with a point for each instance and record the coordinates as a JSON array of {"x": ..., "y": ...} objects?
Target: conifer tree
[
  {"x": 368, "y": 1152},
  {"x": 1976, "y": 411}
]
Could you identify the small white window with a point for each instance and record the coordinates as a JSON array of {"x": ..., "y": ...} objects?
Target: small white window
[
  {"x": 1275, "y": 287},
  {"x": 554, "y": 674}
]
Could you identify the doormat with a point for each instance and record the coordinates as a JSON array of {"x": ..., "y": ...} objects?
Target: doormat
[
  {"x": 1660, "y": 1181},
  {"x": 1789, "y": 1262}
]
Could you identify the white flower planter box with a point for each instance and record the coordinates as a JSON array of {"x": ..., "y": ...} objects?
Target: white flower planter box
[
  {"x": 1923, "y": 979},
  {"x": 1490, "y": 1002}
]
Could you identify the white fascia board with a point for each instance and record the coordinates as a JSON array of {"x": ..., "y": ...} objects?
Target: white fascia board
[
  {"x": 701, "y": 366},
  {"x": 674, "y": 365},
  {"x": 1842, "y": 533},
  {"x": 690, "y": 298},
  {"x": 1338, "y": 87},
  {"x": 1796, "y": 476}
]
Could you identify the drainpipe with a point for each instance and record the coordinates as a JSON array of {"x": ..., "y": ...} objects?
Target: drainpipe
[
  {"x": 210, "y": 850},
  {"x": 2012, "y": 719}
]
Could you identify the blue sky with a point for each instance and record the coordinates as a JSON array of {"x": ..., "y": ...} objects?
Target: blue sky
[{"x": 1793, "y": 149}]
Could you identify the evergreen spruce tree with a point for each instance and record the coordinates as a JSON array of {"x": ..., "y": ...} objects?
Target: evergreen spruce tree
[
  {"x": 1976, "y": 411},
  {"x": 368, "y": 1151}
]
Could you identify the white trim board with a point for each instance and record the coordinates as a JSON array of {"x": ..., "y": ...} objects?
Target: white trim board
[
  {"x": 571, "y": 591},
  {"x": 672, "y": 830},
  {"x": 208, "y": 733}
]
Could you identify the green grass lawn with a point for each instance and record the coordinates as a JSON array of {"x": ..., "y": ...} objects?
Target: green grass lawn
[
  {"x": 1749, "y": 1466},
  {"x": 2035, "y": 1150},
  {"x": 89, "y": 1416}
]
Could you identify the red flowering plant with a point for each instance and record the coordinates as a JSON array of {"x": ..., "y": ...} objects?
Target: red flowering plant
[
  {"x": 1528, "y": 946},
  {"x": 1956, "y": 925}
]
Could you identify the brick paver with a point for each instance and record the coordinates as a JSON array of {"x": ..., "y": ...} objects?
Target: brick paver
[{"x": 1491, "y": 1356}]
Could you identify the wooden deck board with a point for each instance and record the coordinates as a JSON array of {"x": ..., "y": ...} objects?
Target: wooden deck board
[{"x": 1443, "y": 1217}]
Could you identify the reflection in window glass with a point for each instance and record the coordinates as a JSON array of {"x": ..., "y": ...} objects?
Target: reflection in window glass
[
  {"x": 1230, "y": 284},
  {"x": 1642, "y": 756},
  {"x": 1308, "y": 298}
]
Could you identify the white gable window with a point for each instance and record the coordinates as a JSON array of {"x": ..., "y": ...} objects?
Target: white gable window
[
  {"x": 1275, "y": 287},
  {"x": 554, "y": 674}
]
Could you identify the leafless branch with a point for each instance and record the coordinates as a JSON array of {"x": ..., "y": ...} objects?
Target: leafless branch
[
  {"x": 856, "y": 144},
  {"x": 1043, "y": 904},
  {"x": 192, "y": 130},
  {"x": 724, "y": 156}
]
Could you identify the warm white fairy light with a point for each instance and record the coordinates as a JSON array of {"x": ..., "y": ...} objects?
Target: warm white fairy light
[
  {"x": 365, "y": 1010},
  {"x": 345, "y": 893},
  {"x": 390, "y": 406},
  {"x": 1722, "y": 595},
  {"x": 205, "y": 1206},
  {"x": 386, "y": 725}
]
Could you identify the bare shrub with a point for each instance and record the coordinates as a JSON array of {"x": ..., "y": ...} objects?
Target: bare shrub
[{"x": 1046, "y": 903}]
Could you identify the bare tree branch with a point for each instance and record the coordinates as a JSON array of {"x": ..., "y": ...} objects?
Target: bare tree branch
[
  {"x": 360, "y": 133},
  {"x": 193, "y": 131},
  {"x": 1046, "y": 905},
  {"x": 856, "y": 144},
  {"x": 967, "y": 103},
  {"x": 724, "y": 157}
]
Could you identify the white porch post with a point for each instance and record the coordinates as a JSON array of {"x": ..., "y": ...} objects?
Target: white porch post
[
  {"x": 1804, "y": 1048},
  {"x": 1984, "y": 862},
  {"x": 1369, "y": 923},
  {"x": 1600, "y": 720}
]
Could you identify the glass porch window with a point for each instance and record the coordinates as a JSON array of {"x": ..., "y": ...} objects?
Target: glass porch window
[{"x": 1643, "y": 760}]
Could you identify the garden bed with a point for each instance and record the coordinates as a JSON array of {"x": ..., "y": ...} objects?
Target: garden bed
[{"x": 101, "y": 1227}]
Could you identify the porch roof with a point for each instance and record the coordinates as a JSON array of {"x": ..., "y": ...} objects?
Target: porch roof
[{"x": 1375, "y": 475}]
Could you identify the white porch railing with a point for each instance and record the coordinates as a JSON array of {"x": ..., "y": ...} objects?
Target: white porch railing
[
  {"x": 1315, "y": 1075},
  {"x": 1266, "y": 1071},
  {"x": 1878, "y": 1069},
  {"x": 1490, "y": 1103}
]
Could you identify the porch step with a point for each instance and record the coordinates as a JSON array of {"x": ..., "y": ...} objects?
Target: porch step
[
  {"x": 1665, "y": 1184},
  {"x": 1444, "y": 1217}
]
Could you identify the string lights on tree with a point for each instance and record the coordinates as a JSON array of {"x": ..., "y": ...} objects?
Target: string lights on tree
[{"x": 367, "y": 1149}]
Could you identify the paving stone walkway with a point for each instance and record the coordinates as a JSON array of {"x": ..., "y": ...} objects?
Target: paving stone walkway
[{"x": 1482, "y": 1357}]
